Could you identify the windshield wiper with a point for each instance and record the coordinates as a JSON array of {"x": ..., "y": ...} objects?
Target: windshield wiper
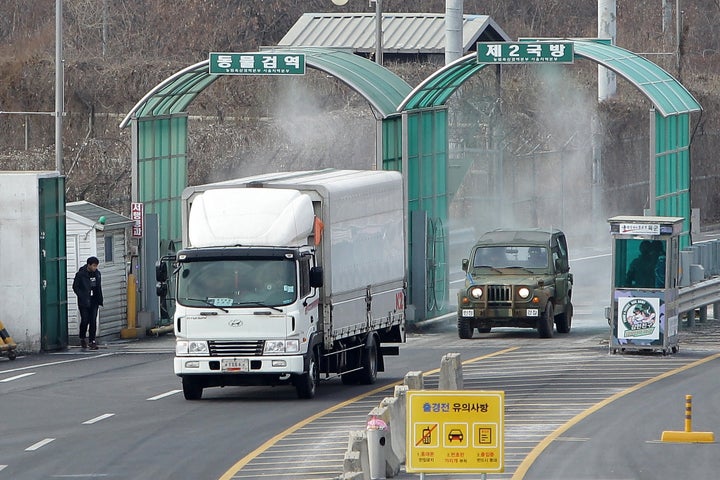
[
  {"x": 524, "y": 268},
  {"x": 488, "y": 266},
  {"x": 206, "y": 302},
  {"x": 256, "y": 304}
]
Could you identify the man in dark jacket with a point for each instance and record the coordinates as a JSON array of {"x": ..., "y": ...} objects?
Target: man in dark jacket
[{"x": 88, "y": 289}]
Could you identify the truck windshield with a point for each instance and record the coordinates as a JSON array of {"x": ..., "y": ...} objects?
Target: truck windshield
[
  {"x": 237, "y": 282},
  {"x": 511, "y": 256}
]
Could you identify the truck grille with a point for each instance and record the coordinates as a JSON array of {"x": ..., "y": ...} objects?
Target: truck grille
[
  {"x": 222, "y": 348},
  {"x": 499, "y": 294}
]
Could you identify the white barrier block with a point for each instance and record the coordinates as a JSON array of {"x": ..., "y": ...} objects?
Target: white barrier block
[
  {"x": 451, "y": 376},
  {"x": 414, "y": 380},
  {"x": 392, "y": 462}
]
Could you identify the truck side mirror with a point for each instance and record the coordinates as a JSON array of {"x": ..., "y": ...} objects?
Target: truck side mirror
[
  {"x": 465, "y": 264},
  {"x": 161, "y": 289},
  {"x": 316, "y": 277},
  {"x": 161, "y": 271}
]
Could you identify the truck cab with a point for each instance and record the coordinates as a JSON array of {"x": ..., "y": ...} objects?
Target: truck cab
[{"x": 516, "y": 278}]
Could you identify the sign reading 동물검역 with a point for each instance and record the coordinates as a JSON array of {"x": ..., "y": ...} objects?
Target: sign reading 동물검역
[
  {"x": 256, "y": 64},
  {"x": 525, "y": 52},
  {"x": 455, "y": 431}
]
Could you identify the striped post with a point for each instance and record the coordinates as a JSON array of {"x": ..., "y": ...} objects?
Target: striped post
[{"x": 688, "y": 413}]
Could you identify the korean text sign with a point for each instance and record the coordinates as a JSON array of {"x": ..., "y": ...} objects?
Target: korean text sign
[
  {"x": 257, "y": 64},
  {"x": 455, "y": 431},
  {"x": 525, "y": 52}
]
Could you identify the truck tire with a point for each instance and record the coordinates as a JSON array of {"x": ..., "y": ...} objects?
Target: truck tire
[
  {"x": 563, "y": 322},
  {"x": 369, "y": 360},
  {"x": 465, "y": 330},
  {"x": 484, "y": 329},
  {"x": 192, "y": 389},
  {"x": 306, "y": 384},
  {"x": 546, "y": 322}
]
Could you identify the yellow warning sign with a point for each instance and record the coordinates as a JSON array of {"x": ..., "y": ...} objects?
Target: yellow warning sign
[{"x": 455, "y": 431}]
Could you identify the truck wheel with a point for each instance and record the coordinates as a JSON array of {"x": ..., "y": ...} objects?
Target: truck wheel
[
  {"x": 307, "y": 382},
  {"x": 368, "y": 374},
  {"x": 192, "y": 390},
  {"x": 484, "y": 329},
  {"x": 546, "y": 322},
  {"x": 563, "y": 322},
  {"x": 465, "y": 330}
]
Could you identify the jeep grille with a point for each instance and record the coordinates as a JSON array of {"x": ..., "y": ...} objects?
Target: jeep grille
[{"x": 499, "y": 294}]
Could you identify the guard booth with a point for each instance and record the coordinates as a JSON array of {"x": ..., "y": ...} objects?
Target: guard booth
[{"x": 644, "y": 309}]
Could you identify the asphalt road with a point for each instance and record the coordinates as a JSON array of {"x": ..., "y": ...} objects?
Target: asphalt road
[{"x": 119, "y": 414}]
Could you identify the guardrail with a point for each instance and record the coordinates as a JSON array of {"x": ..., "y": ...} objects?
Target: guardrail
[{"x": 698, "y": 297}]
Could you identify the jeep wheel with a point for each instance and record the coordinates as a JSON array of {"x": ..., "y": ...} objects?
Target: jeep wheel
[
  {"x": 465, "y": 330},
  {"x": 546, "y": 322},
  {"x": 563, "y": 322},
  {"x": 484, "y": 329}
]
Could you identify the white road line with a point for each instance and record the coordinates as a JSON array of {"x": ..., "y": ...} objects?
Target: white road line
[
  {"x": 166, "y": 394},
  {"x": 39, "y": 444},
  {"x": 10, "y": 379},
  {"x": 97, "y": 419},
  {"x": 2, "y": 467},
  {"x": 50, "y": 364}
]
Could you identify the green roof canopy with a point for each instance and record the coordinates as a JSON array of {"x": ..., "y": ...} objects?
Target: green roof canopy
[
  {"x": 379, "y": 86},
  {"x": 667, "y": 94}
]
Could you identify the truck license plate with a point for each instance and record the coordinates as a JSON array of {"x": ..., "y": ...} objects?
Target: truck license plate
[
  {"x": 468, "y": 312},
  {"x": 235, "y": 365},
  {"x": 532, "y": 312}
]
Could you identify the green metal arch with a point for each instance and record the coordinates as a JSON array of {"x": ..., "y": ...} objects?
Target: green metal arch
[
  {"x": 383, "y": 89},
  {"x": 667, "y": 94}
]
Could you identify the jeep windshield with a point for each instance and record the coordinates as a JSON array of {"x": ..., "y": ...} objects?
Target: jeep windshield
[{"x": 510, "y": 256}]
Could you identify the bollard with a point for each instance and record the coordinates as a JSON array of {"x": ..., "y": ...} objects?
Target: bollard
[
  {"x": 376, "y": 438},
  {"x": 688, "y": 435}
]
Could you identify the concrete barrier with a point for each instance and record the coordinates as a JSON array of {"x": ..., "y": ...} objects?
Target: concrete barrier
[
  {"x": 393, "y": 411},
  {"x": 414, "y": 380},
  {"x": 451, "y": 376}
]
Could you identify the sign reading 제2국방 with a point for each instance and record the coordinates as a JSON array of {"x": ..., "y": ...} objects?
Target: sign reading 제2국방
[
  {"x": 525, "y": 52},
  {"x": 256, "y": 64}
]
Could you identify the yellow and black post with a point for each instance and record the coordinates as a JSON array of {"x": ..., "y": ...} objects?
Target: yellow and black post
[{"x": 688, "y": 435}]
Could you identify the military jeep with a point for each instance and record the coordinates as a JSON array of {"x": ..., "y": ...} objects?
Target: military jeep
[{"x": 517, "y": 278}]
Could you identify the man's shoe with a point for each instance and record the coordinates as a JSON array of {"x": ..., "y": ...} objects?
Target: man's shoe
[
  {"x": 93, "y": 346},
  {"x": 83, "y": 343}
]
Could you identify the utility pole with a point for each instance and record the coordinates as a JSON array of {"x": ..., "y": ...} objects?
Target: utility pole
[{"x": 59, "y": 88}]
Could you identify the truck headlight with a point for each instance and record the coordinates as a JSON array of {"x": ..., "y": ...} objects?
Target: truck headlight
[
  {"x": 524, "y": 292},
  {"x": 191, "y": 347},
  {"x": 476, "y": 292},
  {"x": 281, "y": 346}
]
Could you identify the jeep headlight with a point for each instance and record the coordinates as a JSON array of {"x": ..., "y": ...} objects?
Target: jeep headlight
[
  {"x": 281, "y": 346},
  {"x": 191, "y": 347},
  {"x": 524, "y": 292},
  {"x": 476, "y": 292}
]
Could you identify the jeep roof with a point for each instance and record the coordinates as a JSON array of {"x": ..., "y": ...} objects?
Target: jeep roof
[{"x": 514, "y": 236}]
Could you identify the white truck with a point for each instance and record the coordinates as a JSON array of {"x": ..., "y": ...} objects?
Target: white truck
[{"x": 288, "y": 278}]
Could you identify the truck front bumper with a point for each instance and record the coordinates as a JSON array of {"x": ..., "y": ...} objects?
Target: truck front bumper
[{"x": 265, "y": 365}]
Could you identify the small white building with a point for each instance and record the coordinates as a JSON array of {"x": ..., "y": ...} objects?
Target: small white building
[{"x": 92, "y": 230}]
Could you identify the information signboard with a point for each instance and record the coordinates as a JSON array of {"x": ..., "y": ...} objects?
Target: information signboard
[
  {"x": 455, "y": 431},
  {"x": 525, "y": 52},
  {"x": 137, "y": 215},
  {"x": 256, "y": 64}
]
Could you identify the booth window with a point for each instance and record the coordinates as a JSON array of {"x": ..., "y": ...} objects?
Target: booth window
[
  {"x": 639, "y": 263},
  {"x": 108, "y": 248}
]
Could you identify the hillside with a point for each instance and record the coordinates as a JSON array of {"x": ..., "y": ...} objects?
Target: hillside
[{"x": 248, "y": 124}]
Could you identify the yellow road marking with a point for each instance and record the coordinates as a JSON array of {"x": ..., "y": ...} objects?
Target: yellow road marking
[
  {"x": 262, "y": 448},
  {"x": 523, "y": 468}
]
